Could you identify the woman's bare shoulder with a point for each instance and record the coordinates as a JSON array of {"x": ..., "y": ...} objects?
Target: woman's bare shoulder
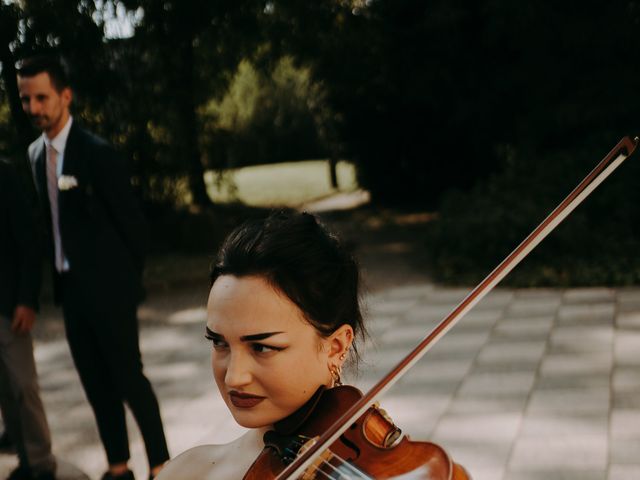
[
  {"x": 199, "y": 462},
  {"x": 228, "y": 461}
]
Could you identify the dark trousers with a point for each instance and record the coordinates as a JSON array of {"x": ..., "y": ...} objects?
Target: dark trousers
[{"x": 102, "y": 331}]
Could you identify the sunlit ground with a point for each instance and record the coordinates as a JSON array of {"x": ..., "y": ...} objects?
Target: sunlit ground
[{"x": 292, "y": 183}]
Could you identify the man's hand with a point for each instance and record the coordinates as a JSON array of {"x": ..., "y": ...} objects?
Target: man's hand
[{"x": 23, "y": 319}]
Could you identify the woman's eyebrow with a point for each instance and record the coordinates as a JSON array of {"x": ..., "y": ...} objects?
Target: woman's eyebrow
[
  {"x": 258, "y": 336},
  {"x": 212, "y": 334},
  {"x": 244, "y": 338}
]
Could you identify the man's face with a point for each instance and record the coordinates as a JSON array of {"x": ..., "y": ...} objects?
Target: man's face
[{"x": 47, "y": 108}]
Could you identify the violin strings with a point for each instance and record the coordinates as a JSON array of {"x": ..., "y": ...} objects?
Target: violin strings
[{"x": 343, "y": 463}]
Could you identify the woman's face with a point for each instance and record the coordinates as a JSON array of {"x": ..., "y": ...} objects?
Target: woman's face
[{"x": 267, "y": 360}]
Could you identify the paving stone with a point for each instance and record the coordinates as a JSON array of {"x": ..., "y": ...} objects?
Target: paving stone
[
  {"x": 629, "y": 399},
  {"x": 572, "y": 381},
  {"x": 477, "y": 455},
  {"x": 625, "y": 424},
  {"x": 626, "y": 349},
  {"x": 552, "y": 425},
  {"x": 579, "y": 338},
  {"x": 588, "y": 401},
  {"x": 451, "y": 296},
  {"x": 556, "y": 474},
  {"x": 497, "y": 298},
  {"x": 497, "y": 427},
  {"x": 628, "y": 295},
  {"x": 390, "y": 306},
  {"x": 560, "y": 454},
  {"x": 539, "y": 294},
  {"x": 386, "y": 358},
  {"x": 586, "y": 314},
  {"x": 525, "y": 328},
  {"x": 589, "y": 295},
  {"x": 532, "y": 307},
  {"x": 626, "y": 379},
  {"x": 624, "y": 450},
  {"x": 577, "y": 364},
  {"x": 405, "y": 335},
  {"x": 459, "y": 344},
  {"x": 401, "y": 407},
  {"x": 497, "y": 383},
  {"x": 628, "y": 319},
  {"x": 624, "y": 472},
  {"x": 487, "y": 404},
  {"x": 427, "y": 313},
  {"x": 484, "y": 319},
  {"x": 497, "y": 351},
  {"x": 428, "y": 371},
  {"x": 485, "y": 473}
]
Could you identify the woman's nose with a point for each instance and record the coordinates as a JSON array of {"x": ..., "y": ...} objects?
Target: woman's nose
[{"x": 238, "y": 372}]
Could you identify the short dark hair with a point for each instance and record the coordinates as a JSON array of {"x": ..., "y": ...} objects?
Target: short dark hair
[
  {"x": 296, "y": 254},
  {"x": 53, "y": 65}
]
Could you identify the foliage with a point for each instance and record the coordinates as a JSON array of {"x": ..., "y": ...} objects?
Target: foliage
[
  {"x": 264, "y": 117},
  {"x": 596, "y": 245}
]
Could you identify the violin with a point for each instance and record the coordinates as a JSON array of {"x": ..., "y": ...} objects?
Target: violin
[
  {"x": 342, "y": 433},
  {"x": 372, "y": 447}
]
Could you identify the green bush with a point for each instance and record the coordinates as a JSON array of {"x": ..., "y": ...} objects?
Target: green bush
[{"x": 597, "y": 244}]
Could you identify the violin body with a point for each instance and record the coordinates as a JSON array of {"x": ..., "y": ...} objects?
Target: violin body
[{"x": 372, "y": 447}]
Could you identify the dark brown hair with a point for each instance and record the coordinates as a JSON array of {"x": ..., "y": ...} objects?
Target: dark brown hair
[
  {"x": 50, "y": 64},
  {"x": 301, "y": 258}
]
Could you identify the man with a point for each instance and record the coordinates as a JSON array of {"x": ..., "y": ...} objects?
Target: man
[
  {"x": 20, "y": 272},
  {"x": 96, "y": 243}
]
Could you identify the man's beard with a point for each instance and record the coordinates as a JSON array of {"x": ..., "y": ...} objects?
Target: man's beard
[{"x": 40, "y": 121}]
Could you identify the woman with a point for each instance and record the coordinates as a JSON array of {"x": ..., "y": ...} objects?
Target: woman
[{"x": 282, "y": 316}]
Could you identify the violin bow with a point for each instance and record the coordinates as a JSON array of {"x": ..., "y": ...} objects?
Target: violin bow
[{"x": 607, "y": 165}]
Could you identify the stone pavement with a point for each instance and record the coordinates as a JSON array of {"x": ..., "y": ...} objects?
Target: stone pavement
[{"x": 530, "y": 385}]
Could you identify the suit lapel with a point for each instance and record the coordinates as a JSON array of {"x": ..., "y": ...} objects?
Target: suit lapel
[
  {"x": 69, "y": 166},
  {"x": 38, "y": 165}
]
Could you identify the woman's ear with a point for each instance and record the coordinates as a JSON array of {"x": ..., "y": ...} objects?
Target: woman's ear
[{"x": 339, "y": 343}]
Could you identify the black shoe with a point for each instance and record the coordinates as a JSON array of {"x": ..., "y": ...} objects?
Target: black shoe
[
  {"x": 6, "y": 445},
  {"x": 128, "y": 475},
  {"x": 20, "y": 473},
  {"x": 24, "y": 473}
]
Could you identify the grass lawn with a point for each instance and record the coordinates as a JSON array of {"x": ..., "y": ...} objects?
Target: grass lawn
[{"x": 279, "y": 185}]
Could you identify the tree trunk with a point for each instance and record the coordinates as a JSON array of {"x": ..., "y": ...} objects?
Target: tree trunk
[
  {"x": 333, "y": 170},
  {"x": 187, "y": 109}
]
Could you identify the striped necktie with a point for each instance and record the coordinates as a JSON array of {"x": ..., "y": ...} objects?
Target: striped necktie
[{"x": 52, "y": 188}]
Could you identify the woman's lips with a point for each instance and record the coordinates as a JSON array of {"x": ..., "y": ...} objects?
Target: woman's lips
[{"x": 244, "y": 400}]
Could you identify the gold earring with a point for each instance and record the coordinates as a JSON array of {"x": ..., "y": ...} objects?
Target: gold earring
[
  {"x": 344, "y": 354},
  {"x": 335, "y": 375}
]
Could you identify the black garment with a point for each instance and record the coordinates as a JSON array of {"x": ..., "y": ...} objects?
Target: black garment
[
  {"x": 20, "y": 244},
  {"x": 103, "y": 238}
]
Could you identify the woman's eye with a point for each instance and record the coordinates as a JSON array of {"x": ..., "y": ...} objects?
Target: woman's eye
[
  {"x": 217, "y": 343},
  {"x": 262, "y": 348}
]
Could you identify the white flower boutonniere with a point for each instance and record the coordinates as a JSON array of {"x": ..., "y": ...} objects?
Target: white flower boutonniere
[{"x": 67, "y": 182}]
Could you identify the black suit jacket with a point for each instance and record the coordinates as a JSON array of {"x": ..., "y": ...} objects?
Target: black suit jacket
[
  {"x": 20, "y": 244},
  {"x": 101, "y": 225}
]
